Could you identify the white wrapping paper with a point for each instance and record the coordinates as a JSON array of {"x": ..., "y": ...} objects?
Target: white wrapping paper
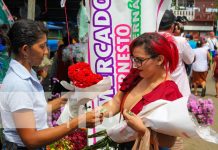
[
  {"x": 81, "y": 96},
  {"x": 171, "y": 118}
]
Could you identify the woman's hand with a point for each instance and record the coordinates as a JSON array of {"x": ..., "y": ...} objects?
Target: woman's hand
[
  {"x": 57, "y": 103},
  {"x": 134, "y": 122},
  {"x": 90, "y": 119}
]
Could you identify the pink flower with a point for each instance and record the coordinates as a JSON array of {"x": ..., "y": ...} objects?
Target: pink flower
[{"x": 202, "y": 110}]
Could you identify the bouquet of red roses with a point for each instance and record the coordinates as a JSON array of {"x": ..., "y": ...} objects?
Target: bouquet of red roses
[
  {"x": 87, "y": 86},
  {"x": 82, "y": 76}
]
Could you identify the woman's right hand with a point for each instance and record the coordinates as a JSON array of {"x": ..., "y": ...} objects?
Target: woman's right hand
[
  {"x": 90, "y": 119},
  {"x": 135, "y": 122}
]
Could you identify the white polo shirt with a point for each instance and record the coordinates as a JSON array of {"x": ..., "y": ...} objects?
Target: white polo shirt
[
  {"x": 201, "y": 62},
  {"x": 186, "y": 55},
  {"x": 21, "y": 90}
]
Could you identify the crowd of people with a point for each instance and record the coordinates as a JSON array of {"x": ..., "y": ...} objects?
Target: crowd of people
[
  {"x": 166, "y": 64},
  {"x": 205, "y": 50}
]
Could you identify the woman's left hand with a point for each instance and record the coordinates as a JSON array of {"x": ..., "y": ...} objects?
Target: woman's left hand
[
  {"x": 63, "y": 100},
  {"x": 134, "y": 122}
]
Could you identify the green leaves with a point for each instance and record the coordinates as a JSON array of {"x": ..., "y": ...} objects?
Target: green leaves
[
  {"x": 98, "y": 134},
  {"x": 103, "y": 144}
]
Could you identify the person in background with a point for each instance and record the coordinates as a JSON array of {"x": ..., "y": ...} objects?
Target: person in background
[
  {"x": 179, "y": 25},
  {"x": 59, "y": 69},
  {"x": 23, "y": 105},
  {"x": 212, "y": 43},
  {"x": 200, "y": 67},
  {"x": 43, "y": 68},
  {"x": 186, "y": 56},
  {"x": 193, "y": 45},
  {"x": 179, "y": 29},
  {"x": 192, "y": 42},
  {"x": 215, "y": 73},
  {"x": 153, "y": 57},
  {"x": 206, "y": 46}
]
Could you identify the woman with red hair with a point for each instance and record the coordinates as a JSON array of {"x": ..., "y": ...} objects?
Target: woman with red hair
[{"x": 154, "y": 56}]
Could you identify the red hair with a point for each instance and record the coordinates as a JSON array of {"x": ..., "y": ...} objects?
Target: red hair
[{"x": 158, "y": 44}]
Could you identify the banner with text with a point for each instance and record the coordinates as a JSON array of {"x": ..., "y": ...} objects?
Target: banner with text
[{"x": 113, "y": 24}]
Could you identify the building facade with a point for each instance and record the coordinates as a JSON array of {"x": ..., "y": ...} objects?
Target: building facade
[{"x": 200, "y": 13}]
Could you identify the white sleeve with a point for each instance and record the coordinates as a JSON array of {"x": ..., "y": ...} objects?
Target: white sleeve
[
  {"x": 187, "y": 52},
  {"x": 216, "y": 42},
  {"x": 20, "y": 98}
]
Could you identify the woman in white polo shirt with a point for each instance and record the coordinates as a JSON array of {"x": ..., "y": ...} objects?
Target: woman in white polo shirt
[
  {"x": 23, "y": 104},
  {"x": 200, "y": 67}
]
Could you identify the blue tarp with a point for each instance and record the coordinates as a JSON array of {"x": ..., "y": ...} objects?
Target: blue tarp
[
  {"x": 52, "y": 44},
  {"x": 49, "y": 26}
]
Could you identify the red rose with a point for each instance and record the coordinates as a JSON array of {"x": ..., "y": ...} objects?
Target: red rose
[{"x": 82, "y": 76}]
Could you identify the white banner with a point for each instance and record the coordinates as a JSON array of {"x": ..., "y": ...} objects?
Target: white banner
[{"x": 113, "y": 23}]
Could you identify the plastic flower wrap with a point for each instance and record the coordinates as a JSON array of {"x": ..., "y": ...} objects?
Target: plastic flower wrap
[
  {"x": 87, "y": 86},
  {"x": 202, "y": 110},
  {"x": 186, "y": 117},
  {"x": 73, "y": 53}
]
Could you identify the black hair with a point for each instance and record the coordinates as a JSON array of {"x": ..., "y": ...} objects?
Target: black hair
[
  {"x": 167, "y": 20},
  {"x": 155, "y": 44},
  {"x": 181, "y": 19},
  {"x": 179, "y": 26},
  {"x": 191, "y": 37},
  {"x": 73, "y": 35},
  {"x": 25, "y": 32},
  {"x": 199, "y": 43}
]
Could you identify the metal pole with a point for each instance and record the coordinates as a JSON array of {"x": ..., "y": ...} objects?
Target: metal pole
[{"x": 31, "y": 9}]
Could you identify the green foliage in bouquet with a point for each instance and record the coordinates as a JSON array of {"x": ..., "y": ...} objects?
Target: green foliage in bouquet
[
  {"x": 62, "y": 144},
  {"x": 105, "y": 144}
]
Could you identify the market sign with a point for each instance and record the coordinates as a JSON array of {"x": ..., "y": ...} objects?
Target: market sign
[{"x": 113, "y": 25}]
